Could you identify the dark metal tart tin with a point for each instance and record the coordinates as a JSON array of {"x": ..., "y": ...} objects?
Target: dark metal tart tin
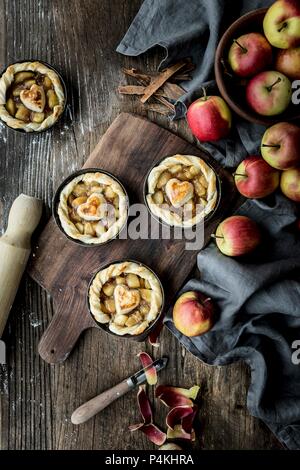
[
  {"x": 103, "y": 326},
  {"x": 56, "y": 198},
  {"x": 65, "y": 93},
  {"x": 206, "y": 218}
]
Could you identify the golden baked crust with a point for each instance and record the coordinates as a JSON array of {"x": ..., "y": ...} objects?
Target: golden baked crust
[
  {"x": 188, "y": 190},
  {"x": 7, "y": 80},
  {"x": 134, "y": 321},
  {"x": 110, "y": 219}
]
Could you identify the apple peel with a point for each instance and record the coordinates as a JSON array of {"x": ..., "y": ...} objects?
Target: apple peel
[
  {"x": 170, "y": 446},
  {"x": 179, "y": 433},
  {"x": 153, "y": 433},
  {"x": 175, "y": 396},
  {"x": 177, "y": 414},
  {"x": 180, "y": 422},
  {"x": 154, "y": 334},
  {"x": 150, "y": 372}
]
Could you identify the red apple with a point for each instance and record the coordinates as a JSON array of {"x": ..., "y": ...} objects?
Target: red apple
[
  {"x": 288, "y": 62},
  {"x": 280, "y": 146},
  {"x": 282, "y": 24},
  {"x": 250, "y": 54},
  {"x": 193, "y": 313},
  {"x": 237, "y": 235},
  {"x": 209, "y": 118},
  {"x": 254, "y": 178},
  {"x": 290, "y": 184},
  {"x": 269, "y": 93}
]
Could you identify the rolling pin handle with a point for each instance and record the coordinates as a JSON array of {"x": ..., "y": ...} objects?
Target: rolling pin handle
[
  {"x": 23, "y": 219},
  {"x": 24, "y": 216}
]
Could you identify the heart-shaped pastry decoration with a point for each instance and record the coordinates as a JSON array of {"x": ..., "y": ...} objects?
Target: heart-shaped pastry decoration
[
  {"x": 34, "y": 98},
  {"x": 126, "y": 299},
  {"x": 179, "y": 192},
  {"x": 95, "y": 208}
]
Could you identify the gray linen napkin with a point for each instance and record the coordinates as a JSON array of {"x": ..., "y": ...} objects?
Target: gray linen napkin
[{"x": 258, "y": 298}]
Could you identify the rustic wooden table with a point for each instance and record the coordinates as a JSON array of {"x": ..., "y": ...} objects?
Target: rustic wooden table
[{"x": 79, "y": 38}]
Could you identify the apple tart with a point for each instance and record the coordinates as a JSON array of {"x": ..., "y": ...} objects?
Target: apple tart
[
  {"x": 182, "y": 190},
  {"x": 92, "y": 208},
  {"x": 32, "y": 96},
  {"x": 126, "y": 296}
]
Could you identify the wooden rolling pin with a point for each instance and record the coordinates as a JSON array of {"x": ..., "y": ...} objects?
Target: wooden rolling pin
[{"x": 24, "y": 216}]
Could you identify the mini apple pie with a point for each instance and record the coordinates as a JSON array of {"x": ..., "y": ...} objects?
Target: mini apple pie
[
  {"x": 31, "y": 96},
  {"x": 126, "y": 296},
  {"x": 182, "y": 190},
  {"x": 92, "y": 208}
]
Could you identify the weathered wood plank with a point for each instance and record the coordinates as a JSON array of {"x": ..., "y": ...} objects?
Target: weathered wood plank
[{"x": 79, "y": 38}]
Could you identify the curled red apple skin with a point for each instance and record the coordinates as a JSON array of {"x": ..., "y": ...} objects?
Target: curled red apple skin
[
  {"x": 170, "y": 446},
  {"x": 193, "y": 314},
  {"x": 153, "y": 338},
  {"x": 151, "y": 374},
  {"x": 237, "y": 235},
  {"x": 179, "y": 433},
  {"x": 255, "y": 178},
  {"x": 147, "y": 427},
  {"x": 177, "y": 414},
  {"x": 176, "y": 396}
]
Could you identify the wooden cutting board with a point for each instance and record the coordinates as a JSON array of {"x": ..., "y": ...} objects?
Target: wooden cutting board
[{"x": 128, "y": 149}]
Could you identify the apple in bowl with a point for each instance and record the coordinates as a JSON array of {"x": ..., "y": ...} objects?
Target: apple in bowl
[
  {"x": 269, "y": 93},
  {"x": 282, "y": 24},
  {"x": 255, "y": 179},
  {"x": 290, "y": 184},
  {"x": 193, "y": 313},
  {"x": 288, "y": 62},
  {"x": 280, "y": 146},
  {"x": 209, "y": 118},
  {"x": 237, "y": 235},
  {"x": 250, "y": 54}
]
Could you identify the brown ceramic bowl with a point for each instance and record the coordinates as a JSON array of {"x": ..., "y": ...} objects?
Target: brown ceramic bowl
[
  {"x": 144, "y": 335},
  {"x": 230, "y": 87}
]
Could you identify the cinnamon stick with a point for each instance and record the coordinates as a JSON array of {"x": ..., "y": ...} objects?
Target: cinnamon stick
[
  {"x": 144, "y": 80},
  {"x": 157, "y": 82},
  {"x": 131, "y": 89}
]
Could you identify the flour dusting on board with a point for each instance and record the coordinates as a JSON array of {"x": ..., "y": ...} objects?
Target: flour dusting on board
[{"x": 34, "y": 320}]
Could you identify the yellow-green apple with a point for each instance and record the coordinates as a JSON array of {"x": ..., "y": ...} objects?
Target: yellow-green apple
[
  {"x": 269, "y": 93},
  {"x": 288, "y": 62},
  {"x": 209, "y": 118},
  {"x": 282, "y": 24},
  {"x": 250, "y": 54},
  {"x": 237, "y": 235},
  {"x": 280, "y": 146},
  {"x": 290, "y": 184},
  {"x": 255, "y": 179},
  {"x": 193, "y": 313}
]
